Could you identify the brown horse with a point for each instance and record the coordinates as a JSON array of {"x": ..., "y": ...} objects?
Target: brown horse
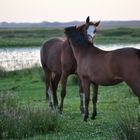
[
  {"x": 58, "y": 62},
  {"x": 103, "y": 67}
]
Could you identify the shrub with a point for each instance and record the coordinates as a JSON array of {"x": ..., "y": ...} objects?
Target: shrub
[
  {"x": 18, "y": 122},
  {"x": 127, "y": 126}
]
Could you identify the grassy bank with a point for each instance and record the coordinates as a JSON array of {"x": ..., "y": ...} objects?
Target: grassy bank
[
  {"x": 32, "y": 37},
  {"x": 29, "y": 37},
  {"x": 118, "y": 36},
  {"x": 113, "y": 102},
  {"x": 22, "y": 121}
]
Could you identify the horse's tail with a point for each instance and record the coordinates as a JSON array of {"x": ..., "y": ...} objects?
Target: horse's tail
[{"x": 42, "y": 57}]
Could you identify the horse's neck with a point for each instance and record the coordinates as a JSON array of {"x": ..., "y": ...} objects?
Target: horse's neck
[
  {"x": 81, "y": 52},
  {"x": 96, "y": 50}
]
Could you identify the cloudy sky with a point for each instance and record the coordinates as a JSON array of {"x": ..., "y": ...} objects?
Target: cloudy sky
[{"x": 68, "y": 10}]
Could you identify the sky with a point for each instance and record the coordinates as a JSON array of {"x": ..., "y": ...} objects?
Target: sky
[{"x": 68, "y": 10}]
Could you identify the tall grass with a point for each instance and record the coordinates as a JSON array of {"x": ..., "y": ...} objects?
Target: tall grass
[
  {"x": 27, "y": 37},
  {"x": 33, "y": 71},
  {"x": 127, "y": 125},
  {"x": 31, "y": 37},
  {"x": 18, "y": 122}
]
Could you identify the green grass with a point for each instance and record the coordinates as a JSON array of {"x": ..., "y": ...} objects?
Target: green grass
[
  {"x": 127, "y": 125},
  {"x": 31, "y": 37},
  {"x": 18, "y": 121},
  {"x": 27, "y": 37},
  {"x": 113, "y": 102},
  {"x": 118, "y": 36}
]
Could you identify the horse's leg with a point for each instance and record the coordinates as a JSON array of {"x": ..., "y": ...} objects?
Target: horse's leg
[
  {"x": 50, "y": 98},
  {"x": 48, "y": 88},
  {"x": 94, "y": 100},
  {"x": 54, "y": 84},
  {"x": 135, "y": 86},
  {"x": 81, "y": 96},
  {"x": 86, "y": 86},
  {"x": 63, "y": 90}
]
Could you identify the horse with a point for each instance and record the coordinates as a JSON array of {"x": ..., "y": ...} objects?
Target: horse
[
  {"x": 58, "y": 62},
  {"x": 101, "y": 67}
]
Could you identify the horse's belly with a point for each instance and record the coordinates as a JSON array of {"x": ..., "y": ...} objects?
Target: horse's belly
[{"x": 106, "y": 81}]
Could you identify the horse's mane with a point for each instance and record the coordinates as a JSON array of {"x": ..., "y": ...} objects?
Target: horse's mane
[
  {"x": 137, "y": 51},
  {"x": 79, "y": 38}
]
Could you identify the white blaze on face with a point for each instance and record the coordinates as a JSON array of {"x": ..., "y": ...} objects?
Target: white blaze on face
[{"x": 90, "y": 32}]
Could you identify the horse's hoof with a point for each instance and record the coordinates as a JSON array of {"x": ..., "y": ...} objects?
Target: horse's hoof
[
  {"x": 82, "y": 111},
  {"x": 56, "y": 110},
  {"x": 85, "y": 120},
  {"x": 60, "y": 111},
  {"x": 50, "y": 108},
  {"x": 93, "y": 117}
]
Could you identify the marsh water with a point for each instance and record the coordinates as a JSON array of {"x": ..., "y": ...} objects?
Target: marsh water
[{"x": 19, "y": 58}]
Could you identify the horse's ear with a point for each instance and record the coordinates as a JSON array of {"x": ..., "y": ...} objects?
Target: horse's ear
[
  {"x": 88, "y": 19},
  {"x": 97, "y": 23}
]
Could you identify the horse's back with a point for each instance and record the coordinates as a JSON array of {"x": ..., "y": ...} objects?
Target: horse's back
[
  {"x": 126, "y": 60},
  {"x": 50, "y": 54},
  {"x": 125, "y": 54}
]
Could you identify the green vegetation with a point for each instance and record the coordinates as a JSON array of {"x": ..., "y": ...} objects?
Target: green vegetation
[
  {"x": 27, "y": 37},
  {"x": 128, "y": 125},
  {"x": 31, "y": 37},
  {"x": 17, "y": 121},
  {"x": 118, "y": 36},
  {"x": 114, "y": 105},
  {"x": 24, "y": 111}
]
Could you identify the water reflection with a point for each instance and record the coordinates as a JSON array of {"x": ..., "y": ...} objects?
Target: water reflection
[
  {"x": 116, "y": 46},
  {"x": 19, "y": 58}
]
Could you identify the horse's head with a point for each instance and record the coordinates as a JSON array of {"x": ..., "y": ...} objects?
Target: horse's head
[
  {"x": 89, "y": 29},
  {"x": 82, "y": 34}
]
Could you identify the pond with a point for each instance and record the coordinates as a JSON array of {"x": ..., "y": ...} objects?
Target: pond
[{"x": 19, "y": 58}]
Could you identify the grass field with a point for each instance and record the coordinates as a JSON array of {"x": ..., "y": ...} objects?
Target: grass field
[
  {"x": 34, "y": 37},
  {"x": 113, "y": 102},
  {"x": 118, "y": 110}
]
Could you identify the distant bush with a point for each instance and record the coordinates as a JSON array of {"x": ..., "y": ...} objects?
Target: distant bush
[
  {"x": 18, "y": 122},
  {"x": 127, "y": 126}
]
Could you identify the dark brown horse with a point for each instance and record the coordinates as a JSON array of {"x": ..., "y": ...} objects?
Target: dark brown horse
[
  {"x": 103, "y": 67},
  {"x": 58, "y": 62}
]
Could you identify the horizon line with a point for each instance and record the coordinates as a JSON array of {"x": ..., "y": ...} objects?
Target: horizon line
[{"x": 68, "y": 21}]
